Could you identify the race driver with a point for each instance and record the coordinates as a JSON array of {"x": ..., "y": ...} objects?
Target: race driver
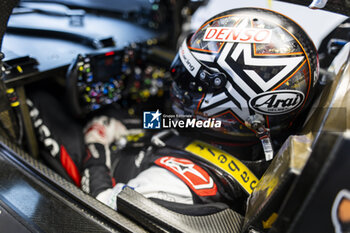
[{"x": 251, "y": 69}]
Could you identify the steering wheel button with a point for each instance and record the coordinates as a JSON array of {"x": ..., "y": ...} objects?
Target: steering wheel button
[
  {"x": 95, "y": 106},
  {"x": 90, "y": 78}
]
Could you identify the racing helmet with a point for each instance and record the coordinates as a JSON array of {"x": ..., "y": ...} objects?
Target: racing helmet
[{"x": 252, "y": 69}]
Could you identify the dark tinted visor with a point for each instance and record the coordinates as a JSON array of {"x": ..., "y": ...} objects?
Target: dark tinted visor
[{"x": 192, "y": 75}]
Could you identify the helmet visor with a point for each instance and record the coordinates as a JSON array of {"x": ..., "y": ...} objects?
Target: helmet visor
[{"x": 192, "y": 75}]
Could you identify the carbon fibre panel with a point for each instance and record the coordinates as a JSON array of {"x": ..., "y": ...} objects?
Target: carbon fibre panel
[
  {"x": 49, "y": 202},
  {"x": 159, "y": 219}
]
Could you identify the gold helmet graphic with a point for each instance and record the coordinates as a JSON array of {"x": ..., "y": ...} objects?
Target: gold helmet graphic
[{"x": 253, "y": 69}]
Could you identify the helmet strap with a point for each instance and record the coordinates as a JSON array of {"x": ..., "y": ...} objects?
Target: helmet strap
[{"x": 257, "y": 123}]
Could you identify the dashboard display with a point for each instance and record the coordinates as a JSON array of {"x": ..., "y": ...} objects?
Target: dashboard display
[{"x": 107, "y": 66}]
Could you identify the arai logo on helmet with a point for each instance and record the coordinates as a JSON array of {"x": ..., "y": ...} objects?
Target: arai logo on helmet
[
  {"x": 277, "y": 102},
  {"x": 233, "y": 34}
]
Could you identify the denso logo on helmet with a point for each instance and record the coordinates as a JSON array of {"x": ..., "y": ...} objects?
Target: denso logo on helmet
[
  {"x": 233, "y": 34},
  {"x": 277, "y": 102}
]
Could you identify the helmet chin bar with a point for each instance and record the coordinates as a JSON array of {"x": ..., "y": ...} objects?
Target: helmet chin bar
[{"x": 257, "y": 123}]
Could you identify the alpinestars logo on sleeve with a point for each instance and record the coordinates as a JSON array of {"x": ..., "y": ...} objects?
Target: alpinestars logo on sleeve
[{"x": 196, "y": 178}]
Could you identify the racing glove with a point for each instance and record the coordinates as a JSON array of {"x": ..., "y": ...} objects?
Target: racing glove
[{"x": 99, "y": 134}]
